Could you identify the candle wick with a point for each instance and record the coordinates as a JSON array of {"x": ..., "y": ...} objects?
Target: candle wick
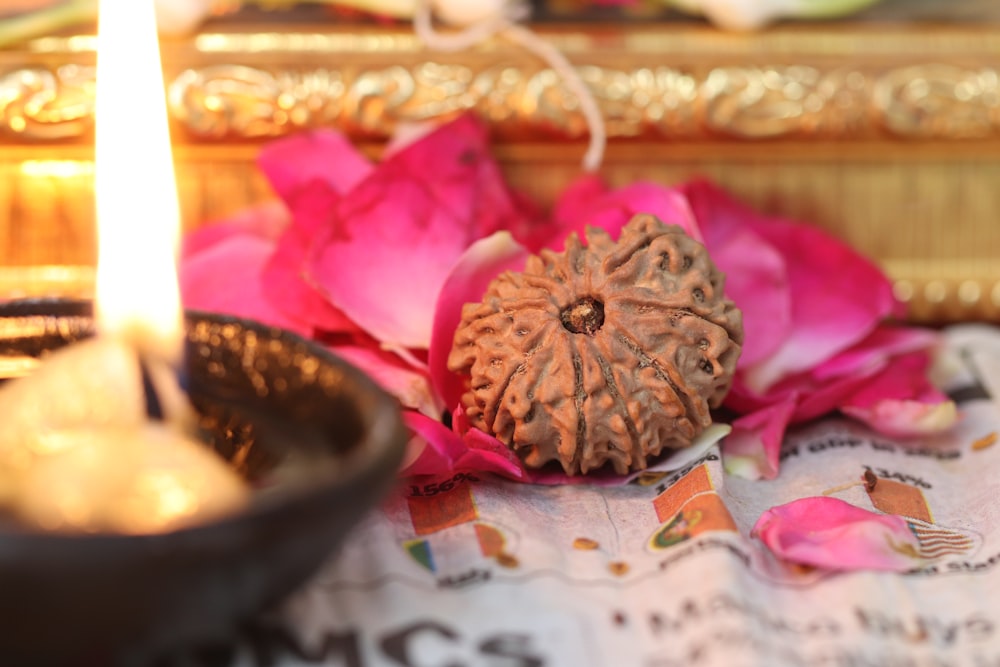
[{"x": 154, "y": 407}]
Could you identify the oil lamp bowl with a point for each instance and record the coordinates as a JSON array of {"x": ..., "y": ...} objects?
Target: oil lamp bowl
[{"x": 316, "y": 437}]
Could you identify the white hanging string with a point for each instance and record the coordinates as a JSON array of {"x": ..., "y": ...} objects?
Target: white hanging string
[
  {"x": 505, "y": 24},
  {"x": 588, "y": 105},
  {"x": 423, "y": 24}
]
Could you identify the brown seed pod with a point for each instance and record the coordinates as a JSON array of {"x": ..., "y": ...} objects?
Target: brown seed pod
[{"x": 601, "y": 354}]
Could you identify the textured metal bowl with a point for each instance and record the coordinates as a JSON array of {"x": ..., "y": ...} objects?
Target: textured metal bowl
[{"x": 295, "y": 412}]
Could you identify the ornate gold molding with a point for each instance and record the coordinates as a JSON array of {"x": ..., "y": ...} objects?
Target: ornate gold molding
[
  {"x": 887, "y": 136},
  {"x": 39, "y": 103},
  {"x": 933, "y": 100}
]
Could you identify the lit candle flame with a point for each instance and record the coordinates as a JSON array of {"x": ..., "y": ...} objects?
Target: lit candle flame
[{"x": 138, "y": 217}]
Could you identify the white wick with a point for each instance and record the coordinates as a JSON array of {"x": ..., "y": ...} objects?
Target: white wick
[{"x": 499, "y": 17}]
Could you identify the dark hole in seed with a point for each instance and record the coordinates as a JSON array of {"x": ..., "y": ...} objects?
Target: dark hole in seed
[
  {"x": 686, "y": 264},
  {"x": 664, "y": 263},
  {"x": 699, "y": 294},
  {"x": 707, "y": 367},
  {"x": 586, "y": 316}
]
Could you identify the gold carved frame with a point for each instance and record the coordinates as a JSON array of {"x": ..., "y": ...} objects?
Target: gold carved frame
[{"x": 887, "y": 135}]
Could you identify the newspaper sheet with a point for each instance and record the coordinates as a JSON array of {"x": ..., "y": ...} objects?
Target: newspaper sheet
[{"x": 662, "y": 572}]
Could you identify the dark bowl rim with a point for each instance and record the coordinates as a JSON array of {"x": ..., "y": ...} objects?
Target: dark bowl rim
[{"x": 383, "y": 445}]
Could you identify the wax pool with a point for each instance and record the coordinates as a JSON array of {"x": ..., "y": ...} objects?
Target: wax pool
[{"x": 78, "y": 452}]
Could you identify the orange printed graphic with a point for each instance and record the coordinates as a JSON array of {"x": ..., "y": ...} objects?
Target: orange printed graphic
[
  {"x": 688, "y": 508},
  {"x": 670, "y": 501},
  {"x": 701, "y": 514},
  {"x": 908, "y": 501},
  {"x": 894, "y": 497},
  {"x": 490, "y": 539},
  {"x": 433, "y": 513}
]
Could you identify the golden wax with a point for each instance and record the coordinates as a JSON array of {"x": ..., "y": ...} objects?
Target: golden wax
[
  {"x": 78, "y": 451},
  {"x": 127, "y": 480}
]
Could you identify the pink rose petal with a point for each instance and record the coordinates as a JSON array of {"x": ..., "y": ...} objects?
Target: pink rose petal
[
  {"x": 831, "y": 534},
  {"x": 837, "y": 299},
  {"x": 575, "y": 204},
  {"x": 453, "y": 163},
  {"x": 888, "y": 366},
  {"x": 900, "y": 401},
  {"x": 819, "y": 398},
  {"x": 906, "y": 418},
  {"x": 446, "y": 452},
  {"x": 266, "y": 220},
  {"x": 225, "y": 278},
  {"x": 321, "y": 155},
  {"x": 756, "y": 282},
  {"x": 410, "y": 386},
  {"x": 498, "y": 456},
  {"x": 884, "y": 343},
  {"x": 399, "y": 250},
  {"x": 311, "y": 171},
  {"x": 904, "y": 378},
  {"x": 587, "y": 202},
  {"x": 284, "y": 275},
  {"x": 402, "y": 230},
  {"x": 753, "y": 448}
]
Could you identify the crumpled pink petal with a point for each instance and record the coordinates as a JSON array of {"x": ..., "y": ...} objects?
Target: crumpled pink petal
[
  {"x": 311, "y": 171},
  {"x": 882, "y": 381},
  {"x": 829, "y": 533},
  {"x": 906, "y": 418},
  {"x": 410, "y": 224},
  {"x": 284, "y": 275},
  {"x": 411, "y": 386},
  {"x": 267, "y": 220},
  {"x": 901, "y": 359},
  {"x": 830, "y": 385},
  {"x": 588, "y": 202},
  {"x": 483, "y": 261},
  {"x": 446, "y": 452},
  {"x": 753, "y": 448},
  {"x": 875, "y": 351},
  {"x": 324, "y": 156},
  {"x": 900, "y": 401},
  {"x": 220, "y": 269},
  {"x": 837, "y": 297}
]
